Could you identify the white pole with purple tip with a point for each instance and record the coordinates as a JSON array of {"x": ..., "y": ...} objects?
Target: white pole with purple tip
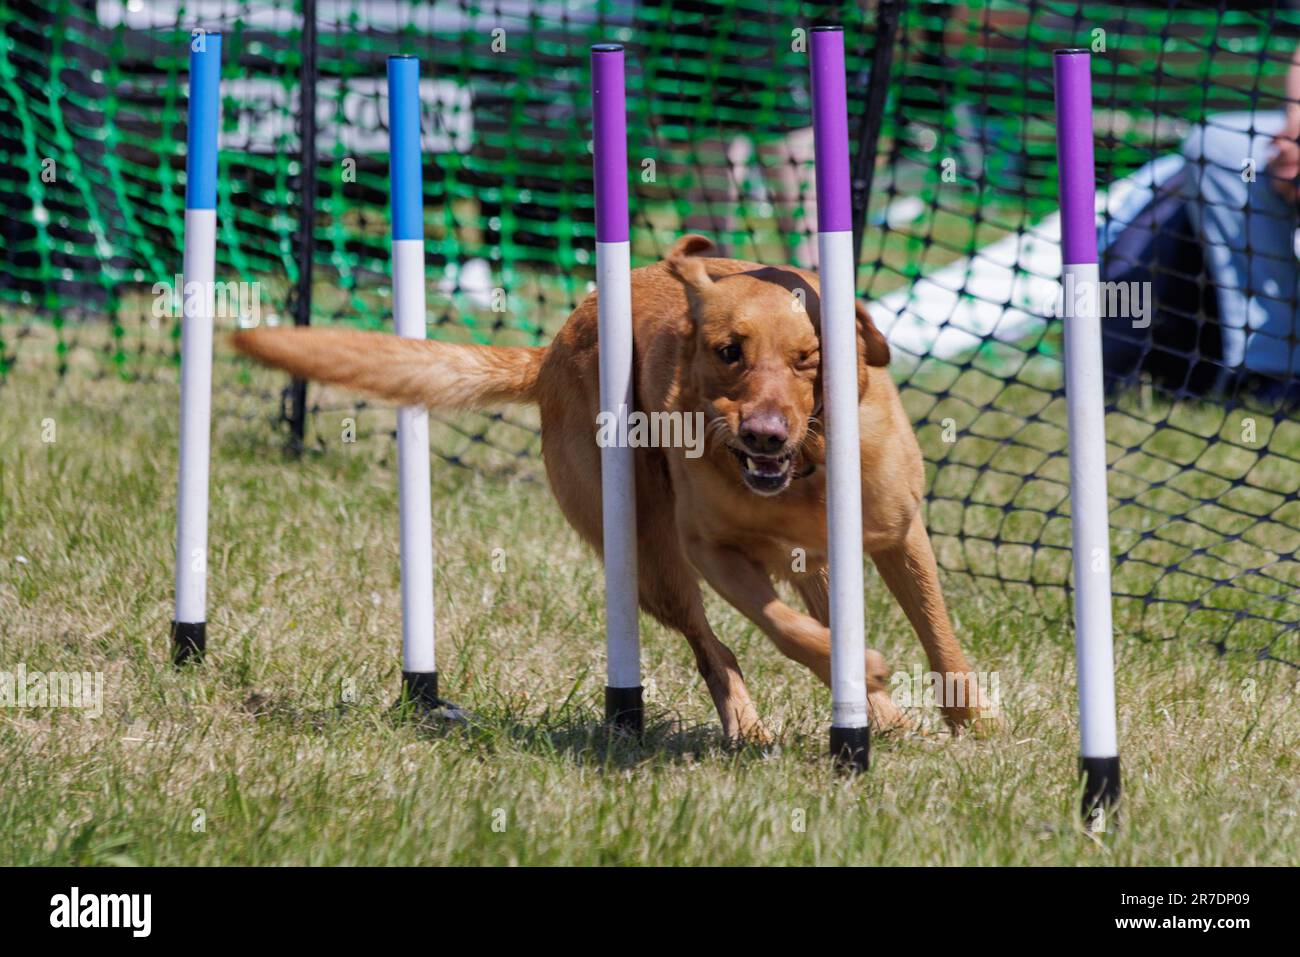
[
  {"x": 1086, "y": 411},
  {"x": 850, "y": 732},
  {"x": 623, "y": 706}
]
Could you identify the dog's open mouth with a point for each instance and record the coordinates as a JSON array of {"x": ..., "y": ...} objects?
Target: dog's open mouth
[{"x": 765, "y": 474}]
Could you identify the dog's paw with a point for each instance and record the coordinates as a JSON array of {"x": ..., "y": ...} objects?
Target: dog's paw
[
  {"x": 987, "y": 722},
  {"x": 886, "y": 716},
  {"x": 982, "y": 720},
  {"x": 883, "y": 712},
  {"x": 753, "y": 734},
  {"x": 741, "y": 726}
]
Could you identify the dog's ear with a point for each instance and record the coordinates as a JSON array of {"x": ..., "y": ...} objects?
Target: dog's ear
[
  {"x": 873, "y": 350},
  {"x": 876, "y": 345},
  {"x": 683, "y": 263}
]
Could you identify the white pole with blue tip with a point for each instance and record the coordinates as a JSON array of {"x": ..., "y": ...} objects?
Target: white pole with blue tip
[
  {"x": 419, "y": 665},
  {"x": 189, "y": 623}
]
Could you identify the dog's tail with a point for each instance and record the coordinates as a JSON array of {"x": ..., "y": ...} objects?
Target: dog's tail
[{"x": 403, "y": 371}]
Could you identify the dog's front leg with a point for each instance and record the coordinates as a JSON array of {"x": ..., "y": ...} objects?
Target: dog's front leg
[
  {"x": 910, "y": 571},
  {"x": 746, "y": 584}
]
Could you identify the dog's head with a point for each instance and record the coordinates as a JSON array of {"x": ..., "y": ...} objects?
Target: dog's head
[{"x": 752, "y": 364}]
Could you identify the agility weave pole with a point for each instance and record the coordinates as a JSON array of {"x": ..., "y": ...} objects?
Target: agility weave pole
[
  {"x": 1085, "y": 404},
  {"x": 419, "y": 665},
  {"x": 623, "y": 704},
  {"x": 850, "y": 735},
  {"x": 189, "y": 624}
]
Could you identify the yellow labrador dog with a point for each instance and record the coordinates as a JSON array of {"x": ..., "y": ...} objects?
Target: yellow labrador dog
[{"x": 737, "y": 342}]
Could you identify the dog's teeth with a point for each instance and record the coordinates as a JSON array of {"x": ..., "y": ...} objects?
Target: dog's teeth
[{"x": 749, "y": 464}]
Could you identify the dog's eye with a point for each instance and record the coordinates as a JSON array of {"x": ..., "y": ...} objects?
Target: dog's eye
[
  {"x": 730, "y": 353},
  {"x": 809, "y": 360}
]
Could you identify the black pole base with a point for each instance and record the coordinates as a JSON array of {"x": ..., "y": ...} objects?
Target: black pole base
[
  {"x": 1100, "y": 790},
  {"x": 420, "y": 691},
  {"x": 189, "y": 641},
  {"x": 623, "y": 709},
  {"x": 851, "y": 749}
]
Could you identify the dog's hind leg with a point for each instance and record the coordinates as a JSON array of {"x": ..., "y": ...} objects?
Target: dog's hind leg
[
  {"x": 667, "y": 586},
  {"x": 670, "y": 591},
  {"x": 910, "y": 571},
  {"x": 799, "y": 637},
  {"x": 672, "y": 595},
  {"x": 814, "y": 589}
]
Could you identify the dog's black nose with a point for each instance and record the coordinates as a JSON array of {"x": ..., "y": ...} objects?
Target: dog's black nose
[{"x": 764, "y": 433}]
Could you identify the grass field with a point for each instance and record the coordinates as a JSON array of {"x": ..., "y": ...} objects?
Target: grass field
[{"x": 284, "y": 748}]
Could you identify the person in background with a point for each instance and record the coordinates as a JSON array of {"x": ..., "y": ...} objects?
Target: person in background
[
  {"x": 748, "y": 114},
  {"x": 1242, "y": 201}
]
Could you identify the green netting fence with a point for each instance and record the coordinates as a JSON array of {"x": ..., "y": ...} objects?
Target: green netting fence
[{"x": 959, "y": 253}]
